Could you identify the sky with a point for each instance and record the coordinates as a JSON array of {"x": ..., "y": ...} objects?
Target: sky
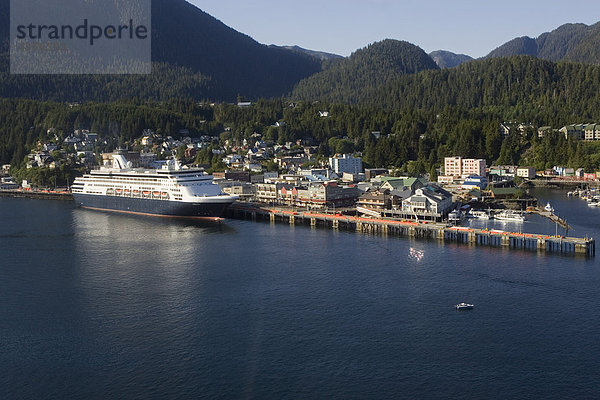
[{"x": 472, "y": 27}]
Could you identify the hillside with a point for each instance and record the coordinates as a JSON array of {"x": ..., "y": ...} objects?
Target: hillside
[
  {"x": 375, "y": 65},
  {"x": 447, "y": 59},
  {"x": 320, "y": 55},
  {"x": 235, "y": 62},
  {"x": 534, "y": 90},
  {"x": 214, "y": 61},
  {"x": 572, "y": 42}
]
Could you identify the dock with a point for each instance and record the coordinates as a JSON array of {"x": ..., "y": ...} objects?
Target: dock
[
  {"x": 551, "y": 216},
  {"x": 418, "y": 230},
  {"x": 37, "y": 194}
]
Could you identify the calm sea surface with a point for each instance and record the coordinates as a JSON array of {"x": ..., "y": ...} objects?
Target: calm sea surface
[{"x": 97, "y": 305}]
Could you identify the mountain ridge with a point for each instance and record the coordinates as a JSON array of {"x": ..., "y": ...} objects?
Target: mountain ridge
[
  {"x": 184, "y": 38},
  {"x": 448, "y": 59},
  {"x": 569, "y": 42},
  {"x": 373, "y": 65},
  {"x": 320, "y": 55}
]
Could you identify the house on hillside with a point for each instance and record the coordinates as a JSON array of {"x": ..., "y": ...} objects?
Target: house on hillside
[
  {"x": 576, "y": 131},
  {"x": 592, "y": 132},
  {"x": 544, "y": 130}
]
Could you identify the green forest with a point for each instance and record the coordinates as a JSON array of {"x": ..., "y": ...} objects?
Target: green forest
[{"x": 414, "y": 141}]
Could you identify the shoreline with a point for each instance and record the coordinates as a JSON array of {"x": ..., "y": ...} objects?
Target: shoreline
[{"x": 558, "y": 183}]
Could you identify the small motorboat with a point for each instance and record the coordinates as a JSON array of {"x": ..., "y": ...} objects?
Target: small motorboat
[
  {"x": 510, "y": 215},
  {"x": 464, "y": 306},
  {"x": 549, "y": 208},
  {"x": 455, "y": 216},
  {"x": 478, "y": 214}
]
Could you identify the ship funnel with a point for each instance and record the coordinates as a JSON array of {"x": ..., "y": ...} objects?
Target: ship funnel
[{"x": 119, "y": 161}]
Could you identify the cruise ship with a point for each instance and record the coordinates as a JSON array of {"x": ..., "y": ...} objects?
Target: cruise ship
[{"x": 170, "y": 190}]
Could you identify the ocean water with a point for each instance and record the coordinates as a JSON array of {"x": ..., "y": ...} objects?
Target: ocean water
[{"x": 99, "y": 305}]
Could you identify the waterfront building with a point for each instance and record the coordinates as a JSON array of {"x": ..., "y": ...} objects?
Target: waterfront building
[
  {"x": 266, "y": 192},
  {"x": 526, "y": 172},
  {"x": 244, "y": 190},
  {"x": 287, "y": 194},
  {"x": 429, "y": 201},
  {"x": 564, "y": 171},
  {"x": 375, "y": 200},
  {"x": 327, "y": 194},
  {"x": 501, "y": 172}
]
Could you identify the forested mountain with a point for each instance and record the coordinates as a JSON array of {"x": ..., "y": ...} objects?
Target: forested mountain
[
  {"x": 195, "y": 53},
  {"x": 320, "y": 55},
  {"x": 521, "y": 46},
  {"x": 447, "y": 59},
  {"x": 536, "y": 90},
  {"x": 184, "y": 35},
  {"x": 573, "y": 42},
  {"x": 373, "y": 66}
]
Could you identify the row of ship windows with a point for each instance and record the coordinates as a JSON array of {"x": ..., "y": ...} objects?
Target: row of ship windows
[
  {"x": 138, "y": 181},
  {"x": 121, "y": 186},
  {"x": 164, "y": 182}
]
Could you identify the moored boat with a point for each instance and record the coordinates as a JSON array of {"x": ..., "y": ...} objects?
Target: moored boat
[
  {"x": 510, "y": 215},
  {"x": 455, "y": 216},
  {"x": 478, "y": 214},
  {"x": 170, "y": 191}
]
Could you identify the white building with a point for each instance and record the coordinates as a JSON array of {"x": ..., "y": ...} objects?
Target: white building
[
  {"x": 430, "y": 200},
  {"x": 346, "y": 163},
  {"x": 526, "y": 172}
]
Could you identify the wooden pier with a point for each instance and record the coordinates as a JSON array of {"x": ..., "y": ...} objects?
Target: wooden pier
[{"x": 422, "y": 230}]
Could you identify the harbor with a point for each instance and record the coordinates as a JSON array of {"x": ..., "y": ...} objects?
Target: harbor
[
  {"x": 419, "y": 230},
  {"x": 427, "y": 230}
]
